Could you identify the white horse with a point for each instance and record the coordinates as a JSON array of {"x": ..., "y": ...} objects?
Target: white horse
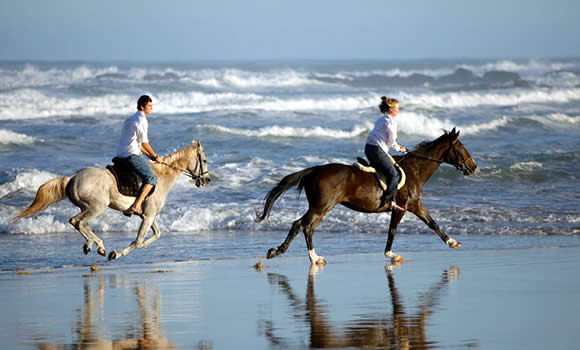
[{"x": 95, "y": 189}]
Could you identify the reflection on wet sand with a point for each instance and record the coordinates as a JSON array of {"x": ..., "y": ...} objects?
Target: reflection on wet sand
[
  {"x": 89, "y": 330},
  {"x": 398, "y": 330}
]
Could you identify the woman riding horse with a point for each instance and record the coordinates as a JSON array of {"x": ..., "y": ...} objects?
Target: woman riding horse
[
  {"x": 383, "y": 136},
  {"x": 331, "y": 184}
]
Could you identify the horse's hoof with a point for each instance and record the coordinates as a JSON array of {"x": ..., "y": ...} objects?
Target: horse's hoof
[
  {"x": 113, "y": 255},
  {"x": 102, "y": 252},
  {"x": 86, "y": 249},
  {"x": 397, "y": 259},
  {"x": 321, "y": 261},
  {"x": 271, "y": 253},
  {"x": 453, "y": 243}
]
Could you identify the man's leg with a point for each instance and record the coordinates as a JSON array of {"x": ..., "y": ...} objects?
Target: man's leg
[
  {"x": 137, "y": 206},
  {"x": 143, "y": 169}
]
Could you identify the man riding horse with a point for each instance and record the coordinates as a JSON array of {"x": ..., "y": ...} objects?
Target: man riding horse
[{"x": 134, "y": 142}]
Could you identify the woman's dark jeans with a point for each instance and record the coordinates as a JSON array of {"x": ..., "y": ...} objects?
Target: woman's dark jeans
[{"x": 381, "y": 161}]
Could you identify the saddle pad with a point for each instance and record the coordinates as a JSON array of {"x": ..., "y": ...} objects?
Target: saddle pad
[{"x": 364, "y": 165}]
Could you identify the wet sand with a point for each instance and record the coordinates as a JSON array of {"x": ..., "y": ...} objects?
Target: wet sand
[{"x": 488, "y": 299}]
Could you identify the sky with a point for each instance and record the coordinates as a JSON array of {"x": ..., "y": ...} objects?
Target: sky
[{"x": 195, "y": 30}]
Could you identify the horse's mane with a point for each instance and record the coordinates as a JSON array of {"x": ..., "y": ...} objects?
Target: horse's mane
[
  {"x": 178, "y": 159},
  {"x": 423, "y": 146},
  {"x": 427, "y": 144}
]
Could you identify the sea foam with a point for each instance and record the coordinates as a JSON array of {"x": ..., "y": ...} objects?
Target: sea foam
[
  {"x": 28, "y": 180},
  {"x": 287, "y": 131},
  {"x": 10, "y": 137},
  {"x": 27, "y": 103}
]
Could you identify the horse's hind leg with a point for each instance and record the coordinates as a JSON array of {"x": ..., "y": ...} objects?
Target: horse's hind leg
[
  {"x": 312, "y": 222},
  {"x": 396, "y": 217},
  {"x": 296, "y": 227},
  {"x": 81, "y": 223}
]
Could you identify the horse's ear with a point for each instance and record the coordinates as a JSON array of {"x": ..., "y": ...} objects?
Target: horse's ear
[{"x": 454, "y": 133}]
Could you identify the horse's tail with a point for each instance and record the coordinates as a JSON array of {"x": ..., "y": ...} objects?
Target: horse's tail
[
  {"x": 284, "y": 185},
  {"x": 51, "y": 192}
]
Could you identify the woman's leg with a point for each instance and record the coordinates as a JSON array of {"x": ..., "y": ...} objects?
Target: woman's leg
[{"x": 382, "y": 162}]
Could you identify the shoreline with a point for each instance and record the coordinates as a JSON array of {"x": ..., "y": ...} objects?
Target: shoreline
[
  {"x": 105, "y": 263},
  {"x": 439, "y": 299}
]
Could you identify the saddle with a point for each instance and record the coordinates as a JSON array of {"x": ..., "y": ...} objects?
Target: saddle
[
  {"x": 364, "y": 165},
  {"x": 128, "y": 182}
]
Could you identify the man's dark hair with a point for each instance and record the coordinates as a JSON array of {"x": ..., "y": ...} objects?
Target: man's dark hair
[{"x": 143, "y": 101}]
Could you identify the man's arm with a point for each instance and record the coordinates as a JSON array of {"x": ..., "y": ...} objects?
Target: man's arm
[{"x": 150, "y": 153}]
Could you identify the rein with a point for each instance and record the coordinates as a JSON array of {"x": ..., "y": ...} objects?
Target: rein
[
  {"x": 460, "y": 166},
  {"x": 188, "y": 173},
  {"x": 419, "y": 155}
]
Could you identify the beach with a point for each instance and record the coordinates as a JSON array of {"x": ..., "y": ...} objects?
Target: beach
[{"x": 516, "y": 298}]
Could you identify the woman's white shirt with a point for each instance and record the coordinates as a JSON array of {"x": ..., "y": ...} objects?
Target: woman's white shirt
[{"x": 384, "y": 134}]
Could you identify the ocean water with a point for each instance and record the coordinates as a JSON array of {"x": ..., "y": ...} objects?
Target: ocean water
[{"x": 520, "y": 120}]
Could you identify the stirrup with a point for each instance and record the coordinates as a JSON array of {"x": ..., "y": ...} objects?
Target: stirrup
[{"x": 394, "y": 206}]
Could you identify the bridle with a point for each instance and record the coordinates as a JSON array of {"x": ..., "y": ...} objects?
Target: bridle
[
  {"x": 197, "y": 174},
  {"x": 461, "y": 166}
]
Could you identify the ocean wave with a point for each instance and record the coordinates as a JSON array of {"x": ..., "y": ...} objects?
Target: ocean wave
[
  {"x": 472, "y": 99},
  {"x": 44, "y": 223},
  {"x": 412, "y": 124},
  {"x": 526, "y": 167},
  {"x": 27, "y": 104},
  {"x": 416, "y": 124},
  {"x": 30, "y": 103},
  {"x": 283, "y": 77},
  {"x": 287, "y": 131},
  {"x": 28, "y": 181},
  {"x": 34, "y": 104},
  {"x": 530, "y": 67},
  {"x": 8, "y": 137},
  {"x": 558, "y": 119},
  {"x": 30, "y": 76},
  {"x": 217, "y": 217},
  {"x": 528, "y": 171}
]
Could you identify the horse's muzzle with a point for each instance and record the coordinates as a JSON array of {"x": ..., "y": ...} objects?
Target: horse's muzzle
[
  {"x": 470, "y": 168},
  {"x": 202, "y": 181}
]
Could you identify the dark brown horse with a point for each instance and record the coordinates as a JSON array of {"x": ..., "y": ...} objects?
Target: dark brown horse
[{"x": 331, "y": 184}]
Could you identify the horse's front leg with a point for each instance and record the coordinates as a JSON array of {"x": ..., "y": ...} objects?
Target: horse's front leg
[
  {"x": 422, "y": 214},
  {"x": 148, "y": 222},
  {"x": 156, "y": 235},
  {"x": 396, "y": 217}
]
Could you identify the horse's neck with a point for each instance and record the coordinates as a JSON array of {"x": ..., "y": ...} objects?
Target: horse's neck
[
  {"x": 172, "y": 169},
  {"x": 427, "y": 162},
  {"x": 179, "y": 161}
]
